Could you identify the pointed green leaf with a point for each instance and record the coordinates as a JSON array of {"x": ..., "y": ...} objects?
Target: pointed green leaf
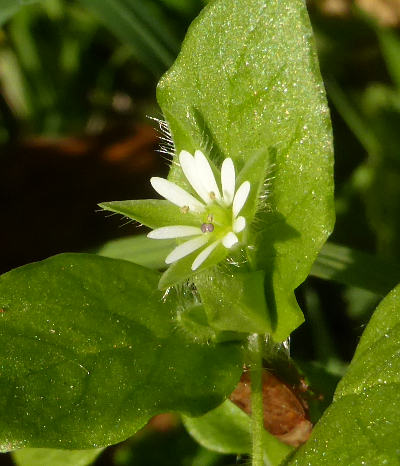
[
  {"x": 247, "y": 80},
  {"x": 90, "y": 351},
  {"x": 140, "y": 250},
  {"x": 361, "y": 425},
  {"x": 152, "y": 212}
]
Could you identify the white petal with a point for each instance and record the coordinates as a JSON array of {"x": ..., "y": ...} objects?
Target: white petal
[
  {"x": 204, "y": 254},
  {"x": 186, "y": 248},
  {"x": 239, "y": 224},
  {"x": 174, "y": 231},
  {"x": 228, "y": 180},
  {"x": 240, "y": 198},
  {"x": 206, "y": 175},
  {"x": 229, "y": 240},
  {"x": 188, "y": 166},
  {"x": 175, "y": 194}
]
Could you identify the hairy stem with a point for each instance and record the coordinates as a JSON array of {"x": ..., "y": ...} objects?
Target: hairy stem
[{"x": 257, "y": 412}]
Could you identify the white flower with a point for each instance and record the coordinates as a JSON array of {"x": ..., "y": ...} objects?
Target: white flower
[{"x": 218, "y": 210}]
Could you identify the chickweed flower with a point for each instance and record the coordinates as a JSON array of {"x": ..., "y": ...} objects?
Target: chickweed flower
[{"x": 216, "y": 206}]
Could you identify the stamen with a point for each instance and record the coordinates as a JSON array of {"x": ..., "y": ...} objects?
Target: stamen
[
  {"x": 207, "y": 227},
  {"x": 185, "y": 209}
]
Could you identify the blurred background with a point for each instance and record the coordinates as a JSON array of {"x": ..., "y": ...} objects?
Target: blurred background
[{"x": 77, "y": 90}]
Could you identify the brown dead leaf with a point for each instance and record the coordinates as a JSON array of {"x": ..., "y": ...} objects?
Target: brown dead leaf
[{"x": 285, "y": 413}]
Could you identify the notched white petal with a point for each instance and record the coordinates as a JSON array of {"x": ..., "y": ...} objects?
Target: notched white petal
[
  {"x": 239, "y": 224},
  {"x": 204, "y": 254},
  {"x": 228, "y": 181},
  {"x": 174, "y": 231},
  {"x": 240, "y": 198},
  {"x": 185, "y": 249},
  {"x": 188, "y": 166},
  {"x": 206, "y": 175},
  {"x": 175, "y": 194},
  {"x": 229, "y": 240}
]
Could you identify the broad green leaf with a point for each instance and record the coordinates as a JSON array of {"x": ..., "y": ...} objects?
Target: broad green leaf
[
  {"x": 361, "y": 425},
  {"x": 49, "y": 457},
  {"x": 246, "y": 81},
  {"x": 227, "y": 429},
  {"x": 90, "y": 351},
  {"x": 139, "y": 249}
]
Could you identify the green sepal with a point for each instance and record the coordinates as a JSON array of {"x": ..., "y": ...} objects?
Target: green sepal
[
  {"x": 153, "y": 213},
  {"x": 235, "y": 301},
  {"x": 193, "y": 321}
]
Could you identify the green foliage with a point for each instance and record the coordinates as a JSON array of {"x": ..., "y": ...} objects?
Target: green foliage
[
  {"x": 142, "y": 26},
  {"x": 356, "y": 268},
  {"x": 138, "y": 249},
  {"x": 238, "y": 88},
  {"x": 98, "y": 354},
  {"x": 48, "y": 457},
  {"x": 361, "y": 424},
  {"x": 227, "y": 429}
]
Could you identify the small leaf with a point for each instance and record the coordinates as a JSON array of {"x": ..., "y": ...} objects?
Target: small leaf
[
  {"x": 140, "y": 250},
  {"x": 361, "y": 425},
  {"x": 152, "y": 212},
  {"x": 49, "y": 457},
  {"x": 227, "y": 429},
  {"x": 90, "y": 352}
]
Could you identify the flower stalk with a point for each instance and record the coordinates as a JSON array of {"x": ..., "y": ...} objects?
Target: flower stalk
[{"x": 257, "y": 410}]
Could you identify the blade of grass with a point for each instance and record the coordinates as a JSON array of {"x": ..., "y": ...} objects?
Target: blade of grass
[
  {"x": 356, "y": 268},
  {"x": 359, "y": 126},
  {"x": 137, "y": 25}
]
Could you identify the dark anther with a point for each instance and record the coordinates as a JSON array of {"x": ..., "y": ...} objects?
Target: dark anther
[{"x": 207, "y": 227}]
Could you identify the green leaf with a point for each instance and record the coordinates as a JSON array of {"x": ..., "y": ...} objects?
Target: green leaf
[
  {"x": 9, "y": 8},
  {"x": 361, "y": 425},
  {"x": 246, "y": 83},
  {"x": 152, "y": 212},
  {"x": 49, "y": 457},
  {"x": 90, "y": 351},
  {"x": 390, "y": 46},
  {"x": 227, "y": 429},
  {"x": 356, "y": 268},
  {"x": 141, "y": 26},
  {"x": 139, "y": 249}
]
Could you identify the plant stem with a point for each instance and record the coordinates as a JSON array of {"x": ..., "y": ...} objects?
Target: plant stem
[{"x": 257, "y": 411}]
